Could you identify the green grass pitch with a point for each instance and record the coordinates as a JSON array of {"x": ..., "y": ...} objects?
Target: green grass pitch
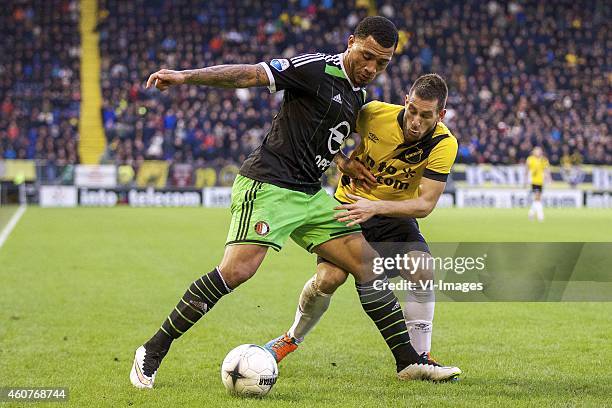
[{"x": 82, "y": 288}]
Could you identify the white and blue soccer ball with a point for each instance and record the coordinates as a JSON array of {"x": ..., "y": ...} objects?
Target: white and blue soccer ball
[{"x": 249, "y": 370}]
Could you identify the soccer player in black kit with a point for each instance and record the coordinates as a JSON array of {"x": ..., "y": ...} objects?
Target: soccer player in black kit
[{"x": 278, "y": 193}]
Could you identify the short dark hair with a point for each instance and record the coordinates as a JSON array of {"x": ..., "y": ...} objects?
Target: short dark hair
[
  {"x": 381, "y": 28},
  {"x": 431, "y": 87}
]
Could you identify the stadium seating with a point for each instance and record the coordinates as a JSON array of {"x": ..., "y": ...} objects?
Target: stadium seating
[
  {"x": 39, "y": 82},
  {"x": 520, "y": 74}
]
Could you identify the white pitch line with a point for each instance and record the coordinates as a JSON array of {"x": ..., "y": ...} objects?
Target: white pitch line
[{"x": 11, "y": 224}]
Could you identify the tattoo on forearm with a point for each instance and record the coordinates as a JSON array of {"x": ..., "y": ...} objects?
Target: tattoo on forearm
[
  {"x": 228, "y": 76},
  {"x": 260, "y": 76}
]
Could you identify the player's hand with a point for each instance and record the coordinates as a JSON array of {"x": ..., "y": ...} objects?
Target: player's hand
[
  {"x": 359, "y": 174},
  {"x": 165, "y": 78},
  {"x": 355, "y": 184},
  {"x": 360, "y": 211}
]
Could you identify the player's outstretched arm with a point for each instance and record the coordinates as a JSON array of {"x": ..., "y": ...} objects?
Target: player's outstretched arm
[{"x": 221, "y": 76}]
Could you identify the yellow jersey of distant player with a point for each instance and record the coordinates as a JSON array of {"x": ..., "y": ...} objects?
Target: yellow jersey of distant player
[
  {"x": 397, "y": 166},
  {"x": 537, "y": 166}
]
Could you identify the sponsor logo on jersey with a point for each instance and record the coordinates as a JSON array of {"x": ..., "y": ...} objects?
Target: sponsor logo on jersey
[
  {"x": 409, "y": 172},
  {"x": 279, "y": 64},
  {"x": 338, "y": 99},
  {"x": 262, "y": 228},
  {"x": 373, "y": 137},
  {"x": 336, "y": 137},
  {"x": 392, "y": 182},
  {"x": 322, "y": 163}
]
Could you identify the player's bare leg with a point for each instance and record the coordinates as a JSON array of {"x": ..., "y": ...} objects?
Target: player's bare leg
[{"x": 239, "y": 263}]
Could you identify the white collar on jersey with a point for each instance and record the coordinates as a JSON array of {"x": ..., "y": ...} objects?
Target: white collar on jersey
[{"x": 345, "y": 74}]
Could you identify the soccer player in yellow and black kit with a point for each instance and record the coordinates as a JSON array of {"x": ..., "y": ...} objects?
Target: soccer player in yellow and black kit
[
  {"x": 410, "y": 153},
  {"x": 537, "y": 168}
]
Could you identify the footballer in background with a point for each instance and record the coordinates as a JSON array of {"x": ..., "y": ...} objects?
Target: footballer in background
[{"x": 538, "y": 170}]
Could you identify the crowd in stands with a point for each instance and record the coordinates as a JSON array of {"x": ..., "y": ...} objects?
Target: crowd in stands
[
  {"x": 522, "y": 73},
  {"x": 39, "y": 81}
]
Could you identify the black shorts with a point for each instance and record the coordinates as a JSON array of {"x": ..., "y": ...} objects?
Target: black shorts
[
  {"x": 391, "y": 236},
  {"x": 536, "y": 188}
]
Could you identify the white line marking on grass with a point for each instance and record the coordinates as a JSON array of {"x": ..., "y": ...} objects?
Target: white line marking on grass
[{"x": 11, "y": 224}]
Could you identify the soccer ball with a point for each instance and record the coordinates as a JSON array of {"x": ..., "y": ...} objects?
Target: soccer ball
[{"x": 249, "y": 370}]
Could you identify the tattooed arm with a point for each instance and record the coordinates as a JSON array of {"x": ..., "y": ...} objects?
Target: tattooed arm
[{"x": 221, "y": 76}]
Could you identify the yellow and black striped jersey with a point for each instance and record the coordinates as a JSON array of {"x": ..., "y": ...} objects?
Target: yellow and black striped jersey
[
  {"x": 398, "y": 167},
  {"x": 537, "y": 166}
]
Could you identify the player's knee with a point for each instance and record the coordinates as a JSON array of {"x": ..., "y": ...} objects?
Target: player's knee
[
  {"x": 240, "y": 262},
  {"x": 237, "y": 271},
  {"x": 422, "y": 274},
  {"x": 363, "y": 269},
  {"x": 329, "y": 277},
  {"x": 422, "y": 267}
]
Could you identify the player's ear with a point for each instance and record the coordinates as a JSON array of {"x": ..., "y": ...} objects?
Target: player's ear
[
  {"x": 442, "y": 114},
  {"x": 351, "y": 41}
]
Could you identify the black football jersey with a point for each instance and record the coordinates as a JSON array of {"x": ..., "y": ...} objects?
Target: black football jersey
[{"x": 318, "y": 112}]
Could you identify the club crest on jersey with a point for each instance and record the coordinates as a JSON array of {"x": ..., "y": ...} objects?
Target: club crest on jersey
[
  {"x": 279, "y": 64},
  {"x": 262, "y": 228},
  {"x": 412, "y": 155}
]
